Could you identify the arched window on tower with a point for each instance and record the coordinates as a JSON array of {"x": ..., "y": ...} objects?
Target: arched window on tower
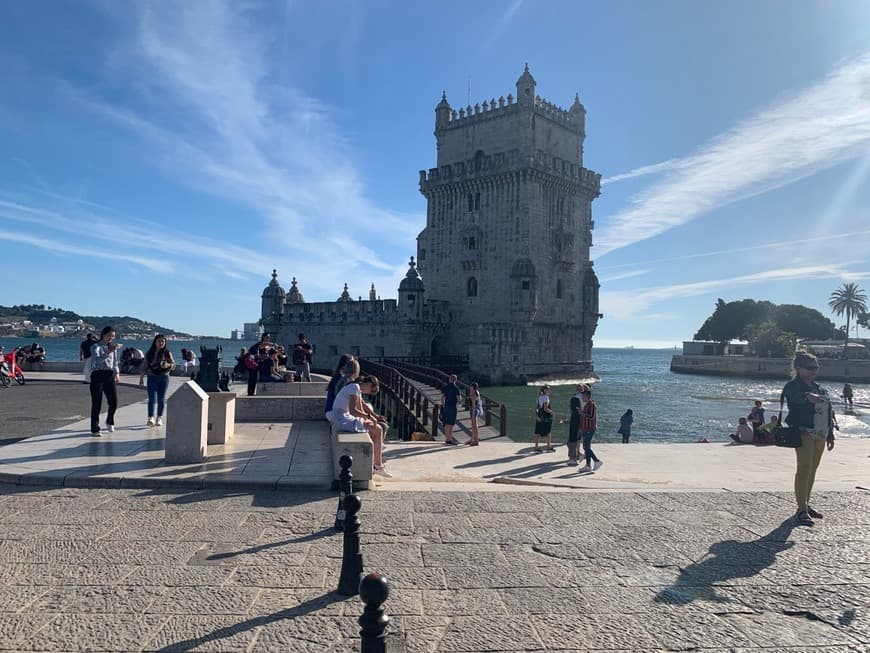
[
  {"x": 558, "y": 289},
  {"x": 470, "y": 202},
  {"x": 471, "y": 287}
]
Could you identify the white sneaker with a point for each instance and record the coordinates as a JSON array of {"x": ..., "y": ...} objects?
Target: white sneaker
[
  {"x": 382, "y": 471},
  {"x": 110, "y": 428},
  {"x": 159, "y": 421},
  {"x": 150, "y": 421},
  {"x": 597, "y": 465},
  {"x": 585, "y": 468}
]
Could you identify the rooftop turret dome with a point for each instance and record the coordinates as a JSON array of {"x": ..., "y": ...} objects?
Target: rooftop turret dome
[
  {"x": 412, "y": 281},
  {"x": 274, "y": 288}
]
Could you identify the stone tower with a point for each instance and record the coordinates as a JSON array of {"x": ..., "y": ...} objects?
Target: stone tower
[{"x": 507, "y": 236}]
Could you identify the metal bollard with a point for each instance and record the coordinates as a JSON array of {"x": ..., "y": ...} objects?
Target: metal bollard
[
  {"x": 351, "y": 559},
  {"x": 373, "y": 590},
  {"x": 345, "y": 487}
]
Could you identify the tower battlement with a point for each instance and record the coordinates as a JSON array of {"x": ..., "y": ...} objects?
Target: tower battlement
[
  {"x": 504, "y": 162},
  {"x": 505, "y": 106}
]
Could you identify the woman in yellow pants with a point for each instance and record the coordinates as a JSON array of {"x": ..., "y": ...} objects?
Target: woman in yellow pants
[{"x": 809, "y": 409}]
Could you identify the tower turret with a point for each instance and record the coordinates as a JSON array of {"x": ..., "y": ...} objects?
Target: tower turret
[
  {"x": 373, "y": 295},
  {"x": 442, "y": 112},
  {"x": 526, "y": 88},
  {"x": 411, "y": 293},
  {"x": 293, "y": 295},
  {"x": 578, "y": 114},
  {"x": 273, "y": 299}
]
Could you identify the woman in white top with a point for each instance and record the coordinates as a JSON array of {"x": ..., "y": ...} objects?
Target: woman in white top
[{"x": 350, "y": 413}]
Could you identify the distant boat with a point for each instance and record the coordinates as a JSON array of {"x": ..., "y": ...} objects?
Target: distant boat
[{"x": 629, "y": 347}]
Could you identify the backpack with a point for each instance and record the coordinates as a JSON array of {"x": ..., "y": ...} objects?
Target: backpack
[{"x": 250, "y": 362}]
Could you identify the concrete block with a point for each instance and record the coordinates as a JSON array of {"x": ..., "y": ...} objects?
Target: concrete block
[
  {"x": 356, "y": 445},
  {"x": 296, "y": 389},
  {"x": 278, "y": 409},
  {"x": 221, "y": 417},
  {"x": 186, "y": 425}
]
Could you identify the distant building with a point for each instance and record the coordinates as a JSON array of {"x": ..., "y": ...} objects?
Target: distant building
[
  {"x": 504, "y": 254},
  {"x": 234, "y": 334},
  {"x": 252, "y": 330}
]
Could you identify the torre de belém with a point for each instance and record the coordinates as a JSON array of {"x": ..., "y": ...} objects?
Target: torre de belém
[{"x": 504, "y": 257}]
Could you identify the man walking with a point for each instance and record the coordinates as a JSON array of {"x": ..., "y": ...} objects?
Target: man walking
[
  {"x": 449, "y": 407},
  {"x": 588, "y": 424}
]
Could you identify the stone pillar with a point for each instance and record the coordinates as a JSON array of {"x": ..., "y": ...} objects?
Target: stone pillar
[
  {"x": 186, "y": 419},
  {"x": 221, "y": 417}
]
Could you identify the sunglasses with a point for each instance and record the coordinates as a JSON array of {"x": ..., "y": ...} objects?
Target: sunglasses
[{"x": 812, "y": 368}]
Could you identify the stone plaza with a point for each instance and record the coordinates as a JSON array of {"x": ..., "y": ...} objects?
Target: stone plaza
[{"x": 469, "y": 570}]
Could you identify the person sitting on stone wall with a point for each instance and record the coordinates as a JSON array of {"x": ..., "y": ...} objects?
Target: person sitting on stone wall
[
  {"x": 744, "y": 433},
  {"x": 35, "y": 354},
  {"x": 269, "y": 372}
]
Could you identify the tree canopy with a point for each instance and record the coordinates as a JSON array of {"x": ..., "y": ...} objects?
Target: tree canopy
[{"x": 742, "y": 319}]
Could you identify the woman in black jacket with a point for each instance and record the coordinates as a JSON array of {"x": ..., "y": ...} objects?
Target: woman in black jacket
[{"x": 809, "y": 409}]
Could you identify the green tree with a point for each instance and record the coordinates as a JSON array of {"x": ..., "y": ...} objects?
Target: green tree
[
  {"x": 802, "y": 321},
  {"x": 769, "y": 340},
  {"x": 852, "y": 301},
  {"x": 730, "y": 319}
]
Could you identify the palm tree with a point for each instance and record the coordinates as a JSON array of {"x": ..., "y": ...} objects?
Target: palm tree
[{"x": 851, "y": 300}]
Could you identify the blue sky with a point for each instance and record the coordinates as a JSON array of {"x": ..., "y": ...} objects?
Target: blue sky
[{"x": 159, "y": 159}]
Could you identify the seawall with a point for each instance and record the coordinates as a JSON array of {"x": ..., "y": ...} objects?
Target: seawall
[{"x": 853, "y": 371}]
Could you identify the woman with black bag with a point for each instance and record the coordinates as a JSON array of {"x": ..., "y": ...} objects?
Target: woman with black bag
[{"x": 810, "y": 411}]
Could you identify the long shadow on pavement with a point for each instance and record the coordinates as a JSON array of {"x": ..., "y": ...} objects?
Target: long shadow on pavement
[
  {"x": 302, "y": 609},
  {"x": 727, "y": 560}
]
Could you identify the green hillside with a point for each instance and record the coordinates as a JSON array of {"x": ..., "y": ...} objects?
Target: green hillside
[{"x": 12, "y": 317}]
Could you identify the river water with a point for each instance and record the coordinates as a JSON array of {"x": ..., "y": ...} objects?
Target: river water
[{"x": 667, "y": 407}]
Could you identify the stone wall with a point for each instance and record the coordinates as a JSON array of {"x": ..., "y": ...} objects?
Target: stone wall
[{"x": 769, "y": 368}]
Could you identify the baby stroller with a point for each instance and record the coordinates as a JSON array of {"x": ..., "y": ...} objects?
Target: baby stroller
[
  {"x": 9, "y": 369},
  {"x": 131, "y": 359}
]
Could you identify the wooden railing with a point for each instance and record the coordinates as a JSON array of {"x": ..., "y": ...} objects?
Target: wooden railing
[
  {"x": 404, "y": 404},
  {"x": 492, "y": 409}
]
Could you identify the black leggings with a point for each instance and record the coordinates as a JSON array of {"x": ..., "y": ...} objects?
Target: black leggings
[
  {"x": 253, "y": 377},
  {"x": 103, "y": 382}
]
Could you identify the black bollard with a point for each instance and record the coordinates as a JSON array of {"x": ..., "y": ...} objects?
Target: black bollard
[
  {"x": 351, "y": 559},
  {"x": 345, "y": 487},
  {"x": 373, "y": 590}
]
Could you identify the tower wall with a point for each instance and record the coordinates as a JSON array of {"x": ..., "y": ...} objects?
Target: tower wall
[{"x": 507, "y": 236}]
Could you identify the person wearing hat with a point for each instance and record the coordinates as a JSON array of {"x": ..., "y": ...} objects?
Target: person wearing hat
[{"x": 302, "y": 355}]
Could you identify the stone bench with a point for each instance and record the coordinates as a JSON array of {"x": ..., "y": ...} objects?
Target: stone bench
[
  {"x": 277, "y": 408},
  {"x": 359, "y": 447},
  {"x": 294, "y": 389}
]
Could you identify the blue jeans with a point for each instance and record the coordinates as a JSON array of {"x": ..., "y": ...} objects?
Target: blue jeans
[
  {"x": 157, "y": 384},
  {"x": 587, "y": 447}
]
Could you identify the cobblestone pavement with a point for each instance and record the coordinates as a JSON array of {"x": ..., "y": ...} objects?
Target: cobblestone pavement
[{"x": 130, "y": 570}]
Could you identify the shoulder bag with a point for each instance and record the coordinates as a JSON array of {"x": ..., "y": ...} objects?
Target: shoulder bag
[{"x": 786, "y": 436}]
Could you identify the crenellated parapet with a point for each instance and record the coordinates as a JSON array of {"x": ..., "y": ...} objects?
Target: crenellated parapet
[
  {"x": 342, "y": 311},
  {"x": 486, "y": 165},
  {"x": 505, "y": 106}
]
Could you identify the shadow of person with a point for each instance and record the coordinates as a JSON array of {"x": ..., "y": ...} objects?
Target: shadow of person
[{"x": 725, "y": 561}]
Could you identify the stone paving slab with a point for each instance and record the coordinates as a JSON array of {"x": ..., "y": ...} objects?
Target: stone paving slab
[{"x": 106, "y": 570}]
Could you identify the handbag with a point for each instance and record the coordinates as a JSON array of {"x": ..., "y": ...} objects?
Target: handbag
[{"x": 786, "y": 436}]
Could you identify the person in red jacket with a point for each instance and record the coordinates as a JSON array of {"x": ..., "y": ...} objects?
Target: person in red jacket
[{"x": 588, "y": 424}]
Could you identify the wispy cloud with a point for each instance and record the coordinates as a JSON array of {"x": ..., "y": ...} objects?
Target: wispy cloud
[
  {"x": 622, "y": 275},
  {"x": 121, "y": 239},
  {"x": 822, "y": 239},
  {"x": 652, "y": 169},
  {"x": 625, "y": 304},
  {"x": 815, "y": 129},
  {"x": 216, "y": 120}
]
